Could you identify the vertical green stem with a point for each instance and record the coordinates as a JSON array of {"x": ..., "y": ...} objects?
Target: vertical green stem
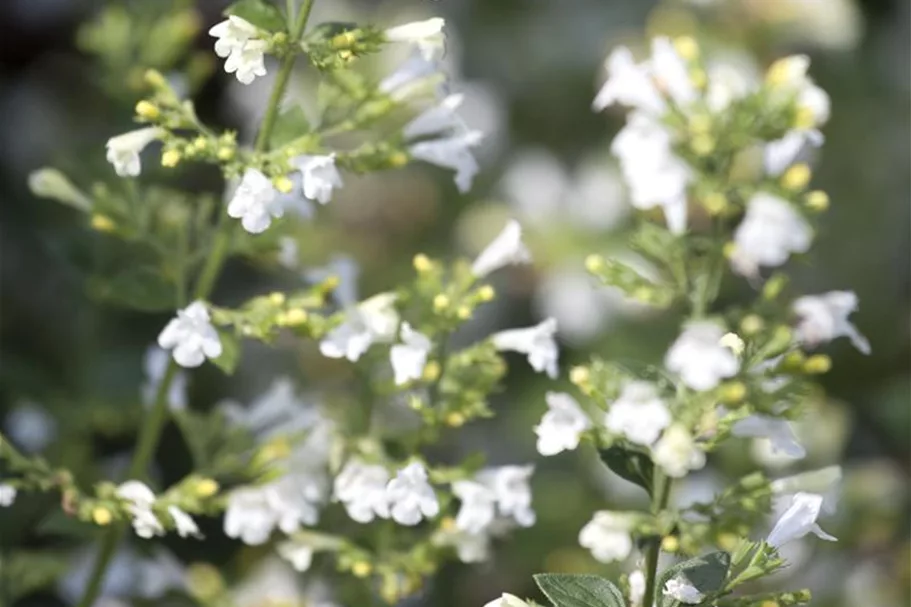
[
  {"x": 154, "y": 423},
  {"x": 661, "y": 491}
]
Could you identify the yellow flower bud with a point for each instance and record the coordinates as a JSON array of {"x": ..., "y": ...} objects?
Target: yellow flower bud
[
  {"x": 206, "y": 487},
  {"x": 804, "y": 118},
  {"x": 343, "y": 40},
  {"x": 102, "y": 516},
  {"x": 441, "y": 302},
  {"x": 170, "y": 158},
  {"x": 715, "y": 203},
  {"x": 698, "y": 78},
  {"x": 793, "y": 360},
  {"x": 486, "y": 293},
  {"x": 729, "y": 249},
  {"x": 703, "y": 144},
  {"x": 283, "y": 184},
  {"x": 154, "y": 79},
  {"x": 148, "y": 110},
  {"x": 817, "y": 364},
  {"x": 345, "y": 55},
  {"x": 422, "y": 263},
  {"x": 361, "y": 569},
  {"x": 279, "y": 38},
  {"x": 432, "y": 371},
  {"x": 463, "y": 312},
  {"x": 580, "y": 375},
  {"x": 102, "y": 223},
  {"x": 398, "y": 160},
  {"x": 797, "y": 176},
  {"x": 686, "y": 47},
  {"x": 734, "y": 342},
  {"x": 733, "y": 392},
  {"x": 670, "y": 544},
  {"x": 455, "y": 419},
  {"x": 783, "y": 71},
  {"x": 594, "y": 263},
  {"x": 200, "y": 144},
  {"x": 448, "y": 524},
  {"x": 817, "y": 200},
  {"x": 225, "y": 153},
  {"x": 751, "y": 324},
  {"x": 295, "y": 317}
]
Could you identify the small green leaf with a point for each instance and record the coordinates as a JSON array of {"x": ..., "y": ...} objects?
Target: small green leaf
[
  {"x": 569, "y": 590},
  {"x": 290, "y": 125},
  {"x": 230, "y": 355},
  {"x": 140, "y": 288},
  {"x": 260, "y": 13},
  {"x": 707, "y": 573},
  {"x": 634, "y": 466}
]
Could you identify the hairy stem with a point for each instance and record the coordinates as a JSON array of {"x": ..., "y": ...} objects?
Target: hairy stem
[{"x": 157, "y": 416}]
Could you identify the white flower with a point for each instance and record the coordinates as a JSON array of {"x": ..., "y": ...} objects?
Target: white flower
[
  {"x": 506, "y": 249},
  {"x": 562, "y": 425},
  {"x": 536, "y": 342},
  {"x": 186, "y": 526},
  {"x": 628, "y": 84},
  {"x": 414, "y": 74},
  {"x": 437, "y": 119},
  {"x": 452, "y": 152},
  {"x": 30, "y": 427},
  {"x": 137, "y": 493},
  {"x": 361, "y": 488},
  {"x": 770, "y": 232},
  {"x": 778, "y": 431},
  {"x": 238, "y": 41},
  {"x": 699, "y": 357},
  {"x": 7, "y": 495},
  {"x": 677, "y": 453},
  {"x": 671, "y": 72},
  {"x": 636, "y": 587},
  {"x": 254, "y": 202},
  {"x": 507, "y": 600},
  {"x": 155, "y": 364},
  {"x": 778, "y": 155},
  {"x": 789, "y": 81},
  {"x": 410, "y": 496},
  {"x": 799, "y": 520},
  {"x": 191, "y": 336},
  {"x": 248, "y": 516},
  {"x": 681, "y": 590},
  {"x": 510, "y": 485},
  {"x": 607, "y": 536},
  {"x": 823, "y": 318},
  {"x": 373, "y": 320},
  {"x": 470, "y": 547},
  {"x": 145, "y": 523},
  {"x": 123, "y": 150},
  {"x": 478, "y": 507},
  {"x": 408, "y": 358},
  {"x": 426, "y": 35},
  {"x": 254, "y": 512},
  {"x": 319, "y": 176},
  {"x": 232, "y": 35},
  {"x": 639, "y": 414},
  {"x": 299, "y": 554}
]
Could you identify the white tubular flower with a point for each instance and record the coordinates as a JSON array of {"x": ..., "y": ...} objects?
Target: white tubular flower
[
  {"x": 186, "y": 526},
  {"x": 770, "y": 232},
  {"x": 408, "y": 358},
  {"x": 295, "y": 499},
  {"x": 478, "y": 507},
  {"x": 636, "y": 588},
  {"x": 823, "y": 318},
  {"x": 778, "y": 155},
  {"x": 469, "y": 547},
  {"x": 426, "y": 35},
  {"x": 123, "y": 151},
  {"x": 155, "y": 364},
  {"x": 249, "y": 517},
  {"x": 504, "y": 250},
  {"x": 628, "y": 84},
  {"x": 778, "y": 431},
  {"x": 411, "y": 76},
  {"x": 319, "y": 176},
  {"x": 677, "y": 453},
  {"x": 507, "y": 600},
  {"x": 639, "y": 414},
  {"x": 681, "y": 590},
  {"x": 7, "y": 495},
  {"x": 607, "y": 536},
  {"x": 562, "y": 425},
  {"x": 145, "y": 523},
  {"x": 374, "y": 320},
  {"x": 299, "y": 554},
  {"x": 248, "y": 63},
  {"x": 254, "y": 202},
  {"x": 362, "y": 489},
  {"x": 699, "y": 357},
  {"x": 452, "y": 152},
  {"x": 411, "y": 497},
  {"x": 437, "y": 119},
  {"x": 510, "y": 485},
  {"x": 191, "y": 336},
  {"x": 799, "y": 520},
  {"x": 239, "y": 43},
  {"x": 536, "y": 342},
  {"x": 232, "y": 35},
  {"x": 671, "y": 72},
  {"x": 141, "y": 499}
]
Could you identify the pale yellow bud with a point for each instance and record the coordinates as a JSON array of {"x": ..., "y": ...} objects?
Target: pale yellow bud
[
  {"x": 594, "y": 263},
  {"x": 441, "y": 302},
  {"x": 670, "y": 544},
  {"x": 463, "y": 312},
  {"x": 751, "y": 324},
  {"x": 398, "y": 160},
  {"x": 727, "y": 541},
  {"x": 703, "y": 144},
  {"x": 455, "y": 419},
  {"x": 580, "y": 375},
  {"x": 734, "y": 342},
  {"x": 170, "y": 159},
  {"x": 148, "y": 110},
  {"x": 295, "y": 317},
  {"x": 686, "y": 47},
  {"x": 422, "y": 263},
  {"x": 486, "y": 293},
  {"x": 700, "y": 124},
  {"x": 432, "y": 371},
  {"x": 804, "y": 118},
  {"x": 797, "y": 176},
  {"x": 200, "y": 144},
  {"x": 277, "y": 298},
  {"x": 283, "y": 184},
  {"x": 154, "y": 79},
  {"x": 818, "y": 201},
  {"x": 102, "y": 516},
  {"x": 715, "y": 203},
  {"x": 225, "y": 153},
  {"x": 733, "y": 392},
  {"x": 817, "y": 364},
  {"x": 102, "y": 223},
  {"x": 206, "y": 487},
  {"x": 361, "y": 569}
]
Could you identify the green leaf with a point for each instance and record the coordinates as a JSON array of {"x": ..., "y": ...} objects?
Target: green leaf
[
  {"x": 634, "y": 466},
  {"x": 260, "y": 13},
  {"x": 707, "y": 573},
  {"x": 291, "y": 124},
  {"x": 230, "y": 355},
  {"x": 140, "y": 288},
  {"x": 569, "y": 590}
]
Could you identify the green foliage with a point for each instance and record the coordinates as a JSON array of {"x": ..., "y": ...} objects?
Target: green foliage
[
  {"x": 707, "y": 573},
  {"x": 632, "y": 465},
  {"x": 565, "y": 590},
  {"x": 260, "y": 13}
]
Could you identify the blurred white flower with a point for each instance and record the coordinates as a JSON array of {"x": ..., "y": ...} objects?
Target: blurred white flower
[
  {"x": 7, "y": 495},
  {"x": 699, "y": 358},
  {"x": 636, "y": 587},
  {"x": 770, "y": 232},
  {"x": 677, "y": 453},
  {"x": 30, "y": 427},
  {"x": 232, "y": 34},
  {"x": 562, "y": 425},
  {"x": 319, "y": 176},
  {"x": 280, "y": 412},
  {"x": 507, "y": 600},
  {"x": 478, "y": 508},
  {"x": 799, "y": 520},
  {"x": 823, "y": 318},
  {"x": 374, "y": 320},
  {"x": 596, "y": 199},
  {"x": 254, "y": 202},
  {"x": 145, "y": 523},
  {"x": 778, "y": 431},
  {"x": 253, "y": 512},
  {"x": 681, "y": 590},
  {"x": 249, "y": 516},
  {"x": 288, "y": 252},
  {"x": 123, "y": 151},
  {"x": 536, "y": 342},
  {"x": 780, "y": 154},
  {"x": 155, "y": 364},
  {"x": 607, "y": 536},
  {"x": 410, "y": 496},
  {"x": 628, "y": 84},
  {"x": 789, "y": 80},
  {"x": 820, "y": 481},
  {"x": 731, "y": 76},
  {"x": 427, "y": 36},
  {"x": 299, "y": 554},
  {"x": 186, "y": 526},
  {"x": 452, "y": 152},
  {"x": 581, "y": 307},
  {"x": 504, "y": 250},
  {"x": 469, "y": 547},
  {"x": 414, "y": 75},
  {"x": 409, "y": 357},
  {"x": 671, "y": 72},
  {"x": 639, "y": 414},
  {"x": 361, "y": 487},
  {"x": 535, "y": 184},
  {"x": 437, "y": 119},
  {"x": 190, "y": 336},
  {"x": 510, "y": 485}
]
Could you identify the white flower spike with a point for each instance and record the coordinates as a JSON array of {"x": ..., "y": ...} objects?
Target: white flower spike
[
  {"x": 699, "y": 357},
  {"x": 536, "y": 342},
  {"x": 319, "y": 176},
  {"x": 255, "y": 202},
  {"x": 607, "y": 536},
  {"x": 426, "y": 35},
  {"x": 771, "y": 231},
  {"x": 504, "y": 250},
  {"x": 452, "y": 152},
  {"x": 141, "y": 498},
  {"x": 823, "y": 318},
  {"x": 681, "y": 590},
  {"x": 191, "y": 336},
  {"x": 562, "y": 425},
  {"x": 639, "y": 414},
  {"x": 411, "y": 497},
  {"x": 123, "y": 151},
  {"x": 799, "y": 520},
  {"x": 409, "y": 357}
]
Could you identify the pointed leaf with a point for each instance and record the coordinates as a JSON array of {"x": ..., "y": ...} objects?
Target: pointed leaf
[
  {"x": 569, "y": 590},
  {"x": 230, "y": 355},
  {"x": 634, "y": 466},
  {"x": 260, "y": 13},
  {"x": 707, "y": 573}
]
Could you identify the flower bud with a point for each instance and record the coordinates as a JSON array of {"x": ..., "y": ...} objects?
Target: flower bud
[
  {"x": 170, "y": 158},
  {"x": 422, "y": 263},
  {"x": 51, "y": 183},
  {"x": 455, "y": 419},
  {"x": 594, "y": 263},
  {"x": 817, "y": 201},
  {"x": 204, "y": 582},
  {"x": 441, "y": 302},
  {"x": 579, "y": 375},
  {"x": 206, "y": 487},
  {"x": 361, "y": 569},
  {"x": 102, "y": 223},
  {"x": 686, "y": 47},
  {"x": 463, "y": 312},
  {"x": 817, "y": 364},
  {"x": 147, "y": 110},
  {"x": 432, "y": 371},
  {"x": 751, "y": 324},
  {"x": 486, "y": 293},
  {"x": 733, "y": 392},
  {"x": 670, "y": 544},
  {"x": 154, "y": 79},
  {"x": 715, "y": 203},
  {"x": 796, "y": 177},
  {"x": 102, "y": 516},
  {"x": 283, "y": 184},
  {"x": 277, "y": 298}
]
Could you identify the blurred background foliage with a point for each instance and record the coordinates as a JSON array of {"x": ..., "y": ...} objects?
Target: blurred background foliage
[{"x": 71, "y": 71}]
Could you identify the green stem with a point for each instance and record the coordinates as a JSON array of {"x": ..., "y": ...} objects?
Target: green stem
[
  {"x": 154, "y": 423},
  {"x": 661, "y": 491}
]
